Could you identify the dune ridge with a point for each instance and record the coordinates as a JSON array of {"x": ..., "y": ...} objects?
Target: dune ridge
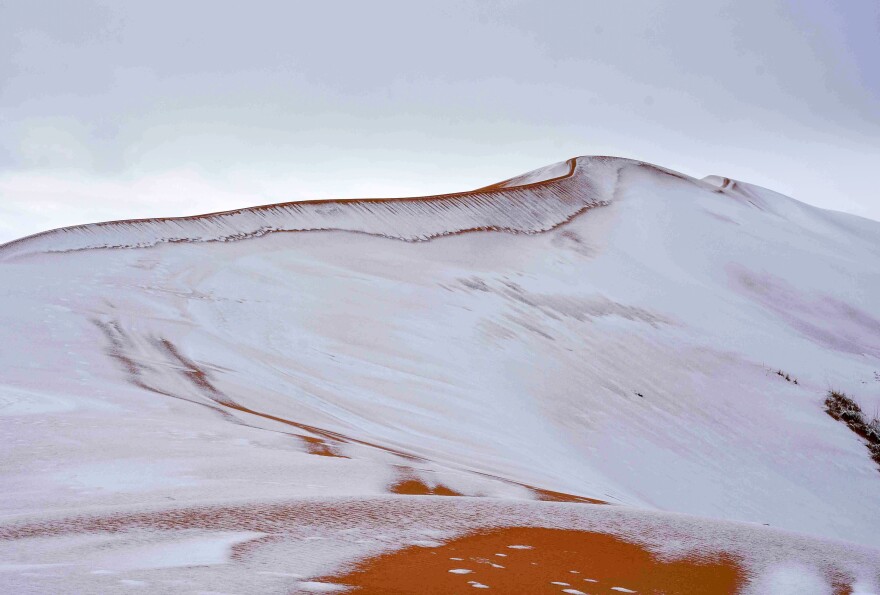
[{"x": 532, "y": 207}]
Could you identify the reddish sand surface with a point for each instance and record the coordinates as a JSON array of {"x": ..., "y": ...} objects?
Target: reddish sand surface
[
  {"x": 411, "y": 486},
  {"x": 536, "y": 560}
]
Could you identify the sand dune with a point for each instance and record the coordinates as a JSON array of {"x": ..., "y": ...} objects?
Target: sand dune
[{"x": 206, "y": 403}]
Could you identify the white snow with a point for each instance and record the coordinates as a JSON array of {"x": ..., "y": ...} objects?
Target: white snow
[
  {"x": 16, "y": 401},
  {"x": 202, "y": 550},
  {"x": 319, "y": 587},
  {"x": 860, "y": 588},
  {"x": 26, "y": 567},
  {"x": 130, "y": 475},
  {"x": 791, "y": 579}
]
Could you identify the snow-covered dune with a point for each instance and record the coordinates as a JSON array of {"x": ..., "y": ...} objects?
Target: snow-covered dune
[
  {"x": 609, "y": 331},
  {"x": 535, "y": 205}
]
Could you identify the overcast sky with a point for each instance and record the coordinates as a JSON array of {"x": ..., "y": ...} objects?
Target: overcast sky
[{"x": 113, "y": 110}]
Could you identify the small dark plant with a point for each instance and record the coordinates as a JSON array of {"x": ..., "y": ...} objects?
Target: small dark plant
[
  {"x": 841, "y": 407},
  {"x": 786, "y": 376},
  {"x": 875, "y": 452},
  {"x": 873, "y": 430}
]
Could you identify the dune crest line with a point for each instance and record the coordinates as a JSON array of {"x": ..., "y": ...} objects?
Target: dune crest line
[{"x": 519, "y": 208}]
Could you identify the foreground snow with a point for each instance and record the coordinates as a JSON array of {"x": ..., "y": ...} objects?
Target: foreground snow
[{"x": 619, "y": 344}]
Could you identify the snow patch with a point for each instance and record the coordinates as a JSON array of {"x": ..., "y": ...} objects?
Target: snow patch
[{"x": 318, "y": 587}]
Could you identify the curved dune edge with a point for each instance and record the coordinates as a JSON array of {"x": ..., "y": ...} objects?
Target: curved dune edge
[{"x": 527, "y": 208}]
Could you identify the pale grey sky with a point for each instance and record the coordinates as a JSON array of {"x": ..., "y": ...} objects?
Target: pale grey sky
[{"x": 118, "y": 109}]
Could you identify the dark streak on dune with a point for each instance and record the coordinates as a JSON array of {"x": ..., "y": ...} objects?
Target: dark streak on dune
[
  {"x": 409, "y": 483},
  {"x": 195, "y": 374},
  {"x": 325, "y": 445},
  {"x": 136, "y": 370},
  {"x": 321, "y": 442},
  {"x": 317, "y": 441},
  {"x": 551, "y": 496},
  {"x": 327, "y": 442},
  {"x": 546, "y": 495},
  {"x": 504, "y": 184}
]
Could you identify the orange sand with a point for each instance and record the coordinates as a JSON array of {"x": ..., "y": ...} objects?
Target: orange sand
[{"x": 585, "y": 562}]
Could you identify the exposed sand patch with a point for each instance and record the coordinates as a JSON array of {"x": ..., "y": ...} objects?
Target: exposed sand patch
[
  {"x": 536, "y": 560},
  {"x": 416, "y": 487}
]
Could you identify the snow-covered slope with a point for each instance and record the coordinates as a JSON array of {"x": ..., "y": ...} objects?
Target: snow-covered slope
[{"x": 609, "y": 330}]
